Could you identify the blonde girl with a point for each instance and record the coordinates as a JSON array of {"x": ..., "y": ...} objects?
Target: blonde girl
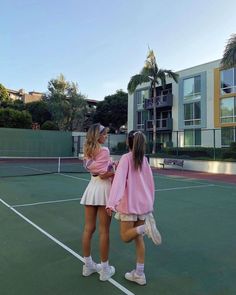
[{"x": 97, "y": 161}]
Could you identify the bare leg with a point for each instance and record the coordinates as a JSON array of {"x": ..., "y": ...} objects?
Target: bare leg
[
  {"x": 89, "y": 228},
  {"x": 128, "y": 230},
  {"x": 104, "y": 226},
  {"x": 140, "y": 246}
]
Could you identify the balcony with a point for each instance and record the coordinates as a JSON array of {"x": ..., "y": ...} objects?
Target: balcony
[
  {"x": 161, "y": 101},
  {"x": 162, "y": 124}
]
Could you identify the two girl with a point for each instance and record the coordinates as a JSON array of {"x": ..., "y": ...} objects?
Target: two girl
[{"x": 131, "y": 197}]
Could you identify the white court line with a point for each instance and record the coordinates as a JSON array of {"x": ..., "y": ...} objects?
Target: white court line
[
  {"x": 183, "y": 187},
  {"x": 46, "y": 202},
  {"x": 35, "y": 169},
  {"x": 112, "y": 281}
]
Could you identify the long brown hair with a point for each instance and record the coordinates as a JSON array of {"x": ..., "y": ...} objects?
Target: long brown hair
[{"x": 137, "y": 144}]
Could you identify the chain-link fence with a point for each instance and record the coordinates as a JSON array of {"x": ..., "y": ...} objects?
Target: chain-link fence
[
  {"x": 115, "y": 142},
  {"x": 190, "y": 143}
]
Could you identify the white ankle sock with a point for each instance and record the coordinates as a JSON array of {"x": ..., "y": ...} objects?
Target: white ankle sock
[
  {"x": 88, "y": 261},
  {"x": 105, "y": 264},
  {"x": 140, "y": 229},
  {"x": 139, "y": 268}
]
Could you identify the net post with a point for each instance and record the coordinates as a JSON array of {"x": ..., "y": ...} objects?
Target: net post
[{"x": 59, "y": 165}]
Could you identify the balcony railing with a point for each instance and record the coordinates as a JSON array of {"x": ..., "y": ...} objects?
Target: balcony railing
[
  {"x": 162, "y": 124},
  {"x": 161, "y": 101}
]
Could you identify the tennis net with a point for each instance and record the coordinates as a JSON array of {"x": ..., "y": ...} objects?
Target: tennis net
[{"x": 15, "y": 166}]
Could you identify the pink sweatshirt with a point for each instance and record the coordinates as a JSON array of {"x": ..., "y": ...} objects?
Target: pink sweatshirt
[
  {"x": 101, "y": 163},
  {"x": 132, "y": 191}
]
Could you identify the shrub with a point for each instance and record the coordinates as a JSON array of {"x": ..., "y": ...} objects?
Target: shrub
[
  {"x": 10, "y": 118},
  {"x": 233, "y": 146},
  {"x": 49, "y": 125},
  {"x": 193, "y": 152},
  {"x": 120, "y": 148}
]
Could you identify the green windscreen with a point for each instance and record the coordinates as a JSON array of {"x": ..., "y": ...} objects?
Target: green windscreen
[{"x": 35, "y": 143}]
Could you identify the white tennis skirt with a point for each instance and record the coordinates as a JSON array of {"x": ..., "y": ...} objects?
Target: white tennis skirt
[{"x": 97, "y": 192}]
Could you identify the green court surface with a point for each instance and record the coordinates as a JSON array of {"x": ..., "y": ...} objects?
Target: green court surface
[{"x": 41, "y": 223}]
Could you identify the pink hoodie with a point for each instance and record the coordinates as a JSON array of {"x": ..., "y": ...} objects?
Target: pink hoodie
[
  {"x": 101, "y": 163},
  {"x": 132, "y": 191}
]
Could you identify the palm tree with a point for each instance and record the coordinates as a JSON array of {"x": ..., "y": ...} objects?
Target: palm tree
[
  {"x": 151, "y": 73},
  {"x": 229, "y": 56}
]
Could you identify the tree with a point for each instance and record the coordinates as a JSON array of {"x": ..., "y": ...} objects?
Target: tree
[
  {"x": 39, "y": 111},
  {"x": 229, "y": 56},
  {"x": 112, "y": 111},
  {"x": 10, "y": 118},
  {"x": 49, "y": 125},
  {"x": 65, "y": 103},
  {"x": 151, "y": 73},
  {"x": 4, "y": 96}
]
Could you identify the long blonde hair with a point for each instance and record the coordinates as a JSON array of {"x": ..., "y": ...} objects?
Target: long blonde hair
[
  {"x": 137, "y": 144},
  {"x": 91, "y": 145}
]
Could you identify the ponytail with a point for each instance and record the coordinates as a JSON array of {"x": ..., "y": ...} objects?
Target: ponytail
[{"x": 137, "y": 143}]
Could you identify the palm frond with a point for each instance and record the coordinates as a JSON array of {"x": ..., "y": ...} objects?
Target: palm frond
[
  {"x": 146, "y": 72},
  {"x": 161, "y": 75},
  {"x": 171, "y": 75},
  {"x": 135, "y": 81},
  {"x": 229, "y": 56}
]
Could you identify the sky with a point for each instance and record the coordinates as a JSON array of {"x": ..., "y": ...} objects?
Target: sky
[{"x": 100, "y": 44}]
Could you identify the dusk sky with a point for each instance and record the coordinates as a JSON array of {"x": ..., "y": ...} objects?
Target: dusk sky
[{"x": 100, "y": 44}]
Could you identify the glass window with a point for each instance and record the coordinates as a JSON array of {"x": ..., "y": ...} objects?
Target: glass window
[
  {"x": 228, "y": 110},
  {"x": 192, "y": 137},
  {"x": 145, "y": 94},
  {"x": 228, "y": 135},
  {"x": 141, "y": 96},
  {"x": 192, "y": 113},
  {"x": 228, "y": 81},
  {"x": 140, "y": 121},
  {"x": 192, "y": 88},
  {"x": 150, "y": 115}
]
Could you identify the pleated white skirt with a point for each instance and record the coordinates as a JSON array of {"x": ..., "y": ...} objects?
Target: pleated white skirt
[{"x": 97, "y": 192}]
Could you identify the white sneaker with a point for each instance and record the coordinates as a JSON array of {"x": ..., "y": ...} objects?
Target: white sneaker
[
  {"x": 87, "y": 271},
  {"x": 106, "y": 273},
  {"x": 134, "y": 277},
  {"x": 151, "y": 230}
]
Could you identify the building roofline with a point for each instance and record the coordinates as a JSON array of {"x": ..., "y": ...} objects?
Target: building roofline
[{"x": 205, "y": 63}]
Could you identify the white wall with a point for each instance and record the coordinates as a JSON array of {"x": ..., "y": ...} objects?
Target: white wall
[{"x": 204, "y": 166}]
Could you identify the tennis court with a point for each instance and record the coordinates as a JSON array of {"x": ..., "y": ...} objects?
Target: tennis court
[{"x": 42, "y": 223}]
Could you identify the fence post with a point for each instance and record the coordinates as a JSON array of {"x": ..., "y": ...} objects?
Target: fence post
[
  {"x": 214, "y": 143},
  {"x": 177, "y": 150}
]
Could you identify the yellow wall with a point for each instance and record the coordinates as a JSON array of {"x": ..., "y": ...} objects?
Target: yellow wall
[{"x": 217, "y": 98}]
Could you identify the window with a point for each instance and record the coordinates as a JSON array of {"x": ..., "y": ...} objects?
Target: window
[
  {"x": 192, "y": 88},
  {"x": 228, "y": 110},
  {"x": 228, "y": 135},
  {"x": 228, "y": 81},
  {"x": 192, "y": 137},
  {"x": 192, "y": 113},
  {"x": 141, "y": 96},
  {"x": 140, "y": 121}
]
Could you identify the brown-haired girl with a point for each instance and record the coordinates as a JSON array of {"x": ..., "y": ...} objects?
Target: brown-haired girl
[{"x": 132, "y": 197}]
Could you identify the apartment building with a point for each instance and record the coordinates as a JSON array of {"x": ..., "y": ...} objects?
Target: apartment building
[
  {"x": 198, "y": 111},
  {"x": 26, "y": 97}
]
